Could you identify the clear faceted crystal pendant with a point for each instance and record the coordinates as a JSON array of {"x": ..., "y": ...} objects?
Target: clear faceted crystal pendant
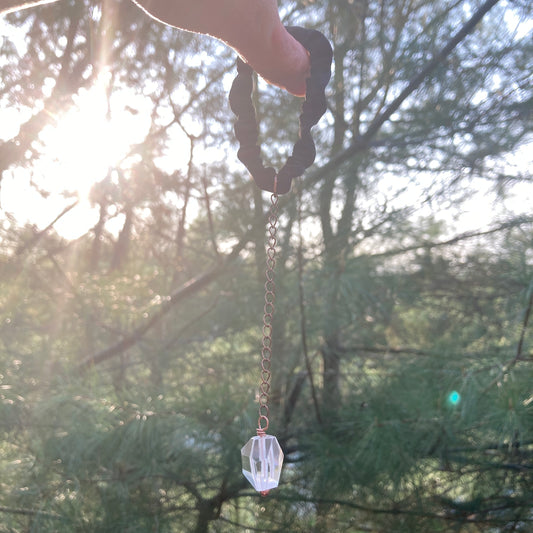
[{"x": 262, "y": 459}]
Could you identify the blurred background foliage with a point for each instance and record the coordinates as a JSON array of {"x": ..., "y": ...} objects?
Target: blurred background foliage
[{"x": 131, "y": 304}]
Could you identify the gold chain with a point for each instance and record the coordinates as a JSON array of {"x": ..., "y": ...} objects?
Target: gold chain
[{"x": 268, "y": 312}]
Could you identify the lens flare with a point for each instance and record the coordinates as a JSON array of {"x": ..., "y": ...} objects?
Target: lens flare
[{"x": 454, "y": 398}]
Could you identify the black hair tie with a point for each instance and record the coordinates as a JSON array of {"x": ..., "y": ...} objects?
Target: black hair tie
[{"x": 314, "y": 106}]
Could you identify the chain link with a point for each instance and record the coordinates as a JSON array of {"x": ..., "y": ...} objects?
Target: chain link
[{"x": 268, "y": 312}]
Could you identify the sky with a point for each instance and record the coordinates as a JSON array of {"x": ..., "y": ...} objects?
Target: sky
[{"x": 84, "y": 145}]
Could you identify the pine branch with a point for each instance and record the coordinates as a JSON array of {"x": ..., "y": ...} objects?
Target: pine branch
[
  {"x": 425, "y": 73},
  {"x": 362, "y": 142},
  {"x": 492, "y": 446},
  {"x": 388, "y": 350},
  {"x": 186, "y": 327},
  {"x": 184, "y": 292},
  {"x": 384, "y": 350},
  {"x": 187, "y": 290},
  {"x": 519, "y": 354},
  {"x": 29, "y": 512},
  {"x": 40, "y": 234},
  {"x": 244, "y": 527},
  {"x": 13, "y": 150},
  {"x": 397, "y": 510},
  {"x": 515, "y": 222}
]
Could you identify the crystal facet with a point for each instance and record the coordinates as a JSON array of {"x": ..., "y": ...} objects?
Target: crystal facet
[{"x": 262, "y": 460}]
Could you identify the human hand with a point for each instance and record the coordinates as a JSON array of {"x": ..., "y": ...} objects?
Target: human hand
[
  {"x": 251, "y": 27},
  {"x": 271, "y": 50}
]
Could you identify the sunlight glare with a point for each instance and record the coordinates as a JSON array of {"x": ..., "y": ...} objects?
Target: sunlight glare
[{"x": 86, "y": 143}]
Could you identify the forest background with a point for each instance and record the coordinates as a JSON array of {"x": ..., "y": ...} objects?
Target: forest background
[{"x": 132, "y": 252}]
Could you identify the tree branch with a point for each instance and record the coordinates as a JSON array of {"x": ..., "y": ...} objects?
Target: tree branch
[
  {"x": 13, "y": 150},
  {"x": 362, "y": 142},
  {"x": 525, "y": 323},
  {"x": 38, "y": 236},
  {"x": 454, "y": 240},
  {"x": 396, "y": 510},
  {"x": 188, "y": 289},
  {"x": 29, "y": 512}
]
